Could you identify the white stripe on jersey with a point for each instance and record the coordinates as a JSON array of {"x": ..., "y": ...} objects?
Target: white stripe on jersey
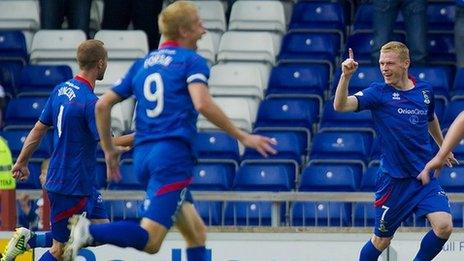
[{"x": 196, "y": 76}]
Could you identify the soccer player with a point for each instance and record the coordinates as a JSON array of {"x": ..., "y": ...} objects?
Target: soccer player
[
  {"x": 403, "y": 111},
  {"x": 452, "y": 138},
  {"x": 170, "y": 86},
  {"x": 70, "y": 109}
]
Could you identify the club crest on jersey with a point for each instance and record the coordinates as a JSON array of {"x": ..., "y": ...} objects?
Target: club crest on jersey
[
  {"x": 396, "y": 96},
  {"x": 426, "y": 97}
]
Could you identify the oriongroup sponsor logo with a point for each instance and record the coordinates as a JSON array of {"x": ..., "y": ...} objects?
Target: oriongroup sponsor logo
[{"x": 412, "y": 111}]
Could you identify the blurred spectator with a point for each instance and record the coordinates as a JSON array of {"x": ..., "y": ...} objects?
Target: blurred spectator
[
  {"x": 459, "y": 33},
  {"x": 117, "y": 15},
  {"x": 77, "y": 13},
  {"x": 415, "y": 23},
  {"x": 2, "y": 104},
  {"x": 27, "y": 216}
]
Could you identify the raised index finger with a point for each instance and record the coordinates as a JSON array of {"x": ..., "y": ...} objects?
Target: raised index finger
[{"x": 350, "y": 53}]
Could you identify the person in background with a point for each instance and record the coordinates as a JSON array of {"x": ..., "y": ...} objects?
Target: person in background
[{"x": 77, "y": 13}]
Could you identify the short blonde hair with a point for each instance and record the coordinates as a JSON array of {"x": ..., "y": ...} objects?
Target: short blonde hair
[
  {"x": 89, "y": 53},
  {"x": 400, "y": 48},
  {"x": 174, "y": 17}
]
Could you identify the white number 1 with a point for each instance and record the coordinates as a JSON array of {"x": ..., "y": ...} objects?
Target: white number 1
[
  {"x": 156, "y": 96},
  {"x": 60, "y": 120}
]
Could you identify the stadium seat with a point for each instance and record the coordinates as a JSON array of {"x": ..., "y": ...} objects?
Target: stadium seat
[
  {"x": 452, "y": 111},
  {"x": 361, "y": 79},
  {"x": 130, "y": 210},
  {"x": 212, "y": 15},
  {"x": 440, "y": 17},
  {"x": 262, "y": 176},
  {"x": 20, "y": 15},
  {"x": 16, "y": 138},
  {"x": 249, "y": 213},
  {"x": 362, "y": 43},
  {"x": 310, "y": 47},
  {"x": 440, "y": 106},
  {"x": 32, "y": 181},
  {"x": 210, "y": 212},
  {"x": 129, "y": 178},
  {"x": 368, "y": 179},
  {"x": 212, "y": 176},
  {"x": 364, "y": 17},
  {"x": 114, "y": 72},
  {"x": 458, "y": 214},
  {"x": 41, "y": 79},
  {"x": 364, "y": 214},
  {"x": 291, "y": 145},
  {"x": 330, "y": 178},
  {"x": 288, "y": 112},
  {"x": 248, "y": 47},
  {"x": 321, "y": 214},
  {"x": 299, "y": 78},
  {"x": 206, "y": 48},
  {"x": 458, "y": 89},
  {"x": 440, "y": 77},
  {"x": 452, "y": 179},
  {"x": 257, "y": 16},
  {"x": 231, "y": 79},
  {"x": 121, "y": 116},
  {"x": 24, "y": 111},
  {"x": 56, "y": 47},
  {"x": 441, "y": 49},
  {"x": 333, "y": 120},
  {"x": 13, "y": 46},
  {"x": 341, "y": 145},
  {"x": 216, "y": 145},
  {"x": 124, "y": 44}
]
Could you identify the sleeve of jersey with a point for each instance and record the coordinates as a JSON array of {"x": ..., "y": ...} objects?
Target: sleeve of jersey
[
  {"x": 90, "y": 118},
  {"x": 123, "y": 87},
  {"x": 197, "y": 70},
  {"x": 368, "y": 98},
  {"x": 46, "y": 116},
  {"x": 431, "y": 105}
]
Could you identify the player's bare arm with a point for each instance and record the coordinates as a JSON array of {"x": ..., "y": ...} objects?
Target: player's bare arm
[
  {"x": 205, "y": 104},
  {"x": 342, "y": 101},
  {"x": 20, "y": 170},
  {"x": 124, "y": 140}
]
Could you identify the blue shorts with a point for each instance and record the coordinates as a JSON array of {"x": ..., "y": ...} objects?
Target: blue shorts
[
  {"x": 62, "y": 207},
  {"x": 397, "y": 199},
  {"x": 166, "y": 168}
]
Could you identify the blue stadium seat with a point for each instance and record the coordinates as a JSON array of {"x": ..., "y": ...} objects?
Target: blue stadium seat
[
  {"x": 440, "y": 17},
  {"x": 368, "y": 179},
  {"x": 364, "y": 17},
  {"x": 458, "y": 89},
  {"x": 364, "y": 214},
  {"x": 452, "y": 111},
  {"x": 341, "y": 145},
  {"x": 362, "y": 78},
  {"x": 41, "y": 79},
  {"x": 33, "y": 181},
  {"x": 457, "y": 213},
  {"x": 310, "y": 47},
  {"x": 441, "y": 49},
  {"x": 440, "y": 77},
  {"x": 129, "y": 178},
  {"x": 299, "y": 78},
  {"x": 318, "y": 16},
  {"x": 210, "y": 212},
  {"x": 321, "y": 214},
  {"x": 362, "y": 43},
  {"x": 13, "y": 46},
  {"x": 440, "y": 107},
  {"x": 265, "y": 177},
  {"x": 24, "y": 111},
  {"x": 333, "y": 120},
  {"x": 290, "y": 145},
  {"x": 124, "y": 210},
  {"x": 452, "y": 179},
  {"x": 9, "y": 76},
  {"x": 216, "y": 145},
  {"x": 249, "y": 213},
  {"x": 212, "y": 176},
  {"x": 16, "y": 138},
  {"x": 330, "y": 178},
  {"x": 288, "y": 112}
]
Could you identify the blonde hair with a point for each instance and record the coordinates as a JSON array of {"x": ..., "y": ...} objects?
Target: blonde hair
[
  {"x": 174, "y": 17},
  {"x": 89, "y": 53},
  {"x": 400, "y": 48}
]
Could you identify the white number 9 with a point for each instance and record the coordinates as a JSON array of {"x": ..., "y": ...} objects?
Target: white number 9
[{"x": 156, "y": 96}]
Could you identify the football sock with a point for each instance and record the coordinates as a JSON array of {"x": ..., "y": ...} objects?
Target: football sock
[
  {"x": 430, "y": 246},
  {"x": 369, "y": 252},
  {"x": 196, "y": 253},
  {"x": 122, "y": 234}
]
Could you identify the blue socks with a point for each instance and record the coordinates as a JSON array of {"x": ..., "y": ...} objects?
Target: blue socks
[
  {"x": 196, "y": 253},
  {"x": 369, "y": 252},
  {"x": 41, "y": 240},
  {"x": 122, "y": 234},
  {"x": 47, "y": 257},
  {"x": 430, "y": 246}
]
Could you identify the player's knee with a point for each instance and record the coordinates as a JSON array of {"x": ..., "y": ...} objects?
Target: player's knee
[
  {"x": 443, "y": 229},
  {"x": 381, "y": 243},
  {"x": 153, "y": 247}
]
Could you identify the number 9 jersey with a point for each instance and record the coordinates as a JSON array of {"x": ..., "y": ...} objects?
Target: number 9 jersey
[{"x": 160, "y": 85}]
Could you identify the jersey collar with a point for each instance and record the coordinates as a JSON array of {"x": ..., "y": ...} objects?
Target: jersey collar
[
  {"x": 169, "y": 43},
  {"x": 83, "y": 80}
]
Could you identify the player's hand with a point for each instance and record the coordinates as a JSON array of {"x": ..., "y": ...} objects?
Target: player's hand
[
  {"x": 349, "y": 66},
  {"x": 20, "y": 171},
  {"x": 435, "y": 164},
  {"x": 112, "y": 163},
  {"x": 451, "y": 160},
  {"x": 260, "y": 143}
]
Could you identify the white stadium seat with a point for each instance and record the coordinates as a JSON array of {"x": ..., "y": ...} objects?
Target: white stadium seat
[
  {"x": 21, "y": 15},
  {"x": 124, "y": 44},
  {"x": 114, "y": 72},
  {"x": 258, "y": 16},
  {"x": 205, "y": 48},
  {"x": 212, "y": 15},
  {"x": 121, "y": 116}
]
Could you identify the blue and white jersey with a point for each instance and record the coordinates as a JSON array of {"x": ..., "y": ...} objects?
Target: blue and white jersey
[
  {"x": 401, "y": 119},
  {"x": 71, "y": 111},
  {"x": 159, "y": 83}
]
